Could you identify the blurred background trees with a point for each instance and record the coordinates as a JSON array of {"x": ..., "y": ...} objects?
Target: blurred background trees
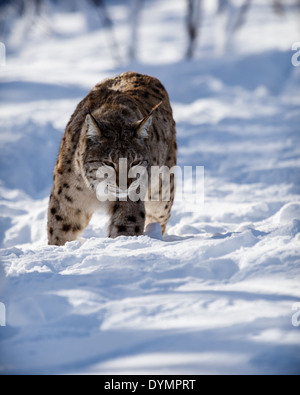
[{"x": 36, "y": 15}]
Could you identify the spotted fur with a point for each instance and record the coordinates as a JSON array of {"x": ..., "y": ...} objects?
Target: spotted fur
[{"x": 125, "y": 117}]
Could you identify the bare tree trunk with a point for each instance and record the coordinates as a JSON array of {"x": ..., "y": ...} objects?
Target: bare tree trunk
[
  {"x": 134, "y": 18},
  {"x": 100, "y": 4},
  {"x": 278, "y": 7},
  {"x": 241, "y": 18},
  {"x": 108, "y": 25},
  {"x": 193, "y": 25},
  {"x": 222, "y": 6},
  {"x": 38, "y": 6}
]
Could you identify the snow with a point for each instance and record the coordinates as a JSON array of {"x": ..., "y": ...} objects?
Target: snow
[{"x": 217, "y": 293}]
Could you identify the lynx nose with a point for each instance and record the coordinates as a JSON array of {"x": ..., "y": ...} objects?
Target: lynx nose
[
  {"x": 123, "y": 185},
  {"x": 122, "y": 193}
]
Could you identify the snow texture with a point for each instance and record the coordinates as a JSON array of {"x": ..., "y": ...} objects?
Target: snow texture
[{"x": 218, "y": 293}]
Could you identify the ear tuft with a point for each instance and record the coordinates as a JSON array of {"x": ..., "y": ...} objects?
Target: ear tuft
[
  {"x": 92, "y": 128},
  {"x": 143, "y": 126}
]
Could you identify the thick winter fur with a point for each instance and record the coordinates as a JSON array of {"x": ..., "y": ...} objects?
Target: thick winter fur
[{"x": 114, "y": 121}]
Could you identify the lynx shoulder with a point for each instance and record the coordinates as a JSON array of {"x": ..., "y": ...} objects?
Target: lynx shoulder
[{"x": 128, "y": 120}]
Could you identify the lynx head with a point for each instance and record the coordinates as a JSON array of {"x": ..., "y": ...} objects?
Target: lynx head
[{"x": 110, "y": 144}]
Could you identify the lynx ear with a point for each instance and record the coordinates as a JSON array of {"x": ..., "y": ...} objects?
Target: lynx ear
[
  {"x": 143, "y": 126},
  {"x": 92, "y": 128}
]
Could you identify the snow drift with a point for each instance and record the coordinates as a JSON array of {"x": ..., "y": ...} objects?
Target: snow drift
[{"x": 218, "y": 294}]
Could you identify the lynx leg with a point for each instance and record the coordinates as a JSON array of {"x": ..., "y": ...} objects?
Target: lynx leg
[
  {"x": 160, "y": 211},
  {"x": 127, "y": 219},
  {"x": 65, "y": 223}
]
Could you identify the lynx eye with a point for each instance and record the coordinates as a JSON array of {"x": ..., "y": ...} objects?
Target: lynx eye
[
  {"x": 109, "y": 164},
  {"x": 136, "y": 163}
]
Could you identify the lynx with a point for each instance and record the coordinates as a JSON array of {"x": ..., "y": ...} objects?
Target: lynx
[{"x": 126, "y": 117}]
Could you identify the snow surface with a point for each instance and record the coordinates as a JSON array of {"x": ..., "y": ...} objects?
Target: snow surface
[{"x": 216, "y": 295}]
